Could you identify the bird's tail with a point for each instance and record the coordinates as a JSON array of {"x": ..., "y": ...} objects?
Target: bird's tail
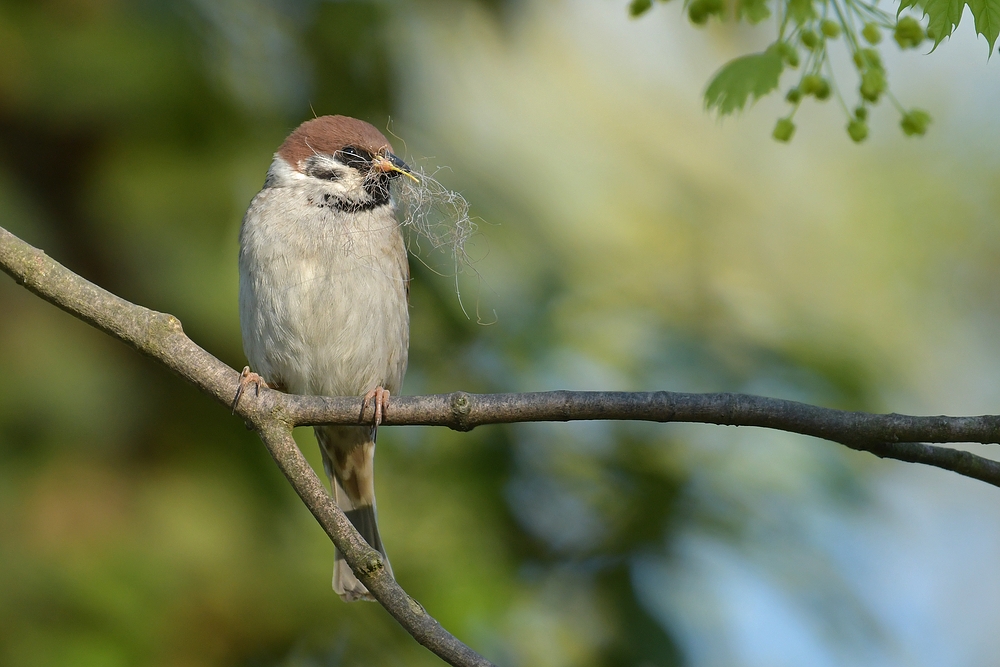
[{"x": 349, "y": 458}]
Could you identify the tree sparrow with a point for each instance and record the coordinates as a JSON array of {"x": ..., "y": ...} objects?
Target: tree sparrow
[{"x": 324, "y": 287}]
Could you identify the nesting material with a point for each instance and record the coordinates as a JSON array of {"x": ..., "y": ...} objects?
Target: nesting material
[{"x": 439, "y": 226}]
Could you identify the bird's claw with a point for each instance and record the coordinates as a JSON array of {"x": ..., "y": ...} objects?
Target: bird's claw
[
  {"x": 247, "y": 378},
  {"x": 381, "y": 396}
]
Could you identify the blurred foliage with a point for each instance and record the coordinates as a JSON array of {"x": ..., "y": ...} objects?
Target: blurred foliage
[
  {"x": 141, "y": 524},
  {"x": 809, "y": 26}
]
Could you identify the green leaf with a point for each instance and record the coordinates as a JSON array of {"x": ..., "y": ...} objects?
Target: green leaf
[
  {"x": 756, "y": 75},
  {"x": 987, "y": 15},
  {"x": 943, "y": 17},
  {"x": 755, "y": 11}
]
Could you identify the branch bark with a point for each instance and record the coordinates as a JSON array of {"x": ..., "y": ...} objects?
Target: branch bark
[
  {"x": 160, "y": 336},
  {"x": 366, "y": 562},
  {"x": 273, "y": 415},
  {"x": 891, "y": 436}
]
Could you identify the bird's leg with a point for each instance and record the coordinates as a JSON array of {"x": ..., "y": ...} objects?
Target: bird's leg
[
  {"x": 247, "y": 378},
  {"x": 381, "y": 396}
]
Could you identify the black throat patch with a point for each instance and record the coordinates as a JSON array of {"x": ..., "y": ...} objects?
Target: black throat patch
[{"x": 336, "y": 203}]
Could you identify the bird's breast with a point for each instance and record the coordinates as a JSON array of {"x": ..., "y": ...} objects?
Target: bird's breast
[{"x": 323, "y": 295}]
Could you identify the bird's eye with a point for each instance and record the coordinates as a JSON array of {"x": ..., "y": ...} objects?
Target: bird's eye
[{"x": 354, "y": 157}]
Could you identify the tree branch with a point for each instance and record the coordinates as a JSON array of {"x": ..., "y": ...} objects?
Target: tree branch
[
  {"x": 366, "y": 562},
  {"x": 273, "y": 415},
  {"x": 891, "y": 436},
  {"x": 160, "y": 336}
]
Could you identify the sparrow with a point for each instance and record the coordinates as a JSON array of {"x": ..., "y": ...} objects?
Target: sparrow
[{"x": 324, "y": 292}]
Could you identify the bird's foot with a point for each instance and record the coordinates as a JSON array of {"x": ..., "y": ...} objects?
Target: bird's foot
[
  {"x": 247, "y": 378},
  {"x": 381, "y": 396}
]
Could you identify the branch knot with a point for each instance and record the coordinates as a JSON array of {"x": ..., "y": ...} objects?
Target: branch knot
[{"x": 461, "y": 407}]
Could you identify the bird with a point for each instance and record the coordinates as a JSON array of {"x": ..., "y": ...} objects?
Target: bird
[{"x": 324, "y": 297}]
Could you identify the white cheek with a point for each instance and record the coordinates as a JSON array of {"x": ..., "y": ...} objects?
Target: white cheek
[
  {"x": 341, "y": 188},
  {"x": 352, "y": 180},
  {"x": 349, "y": 182}
]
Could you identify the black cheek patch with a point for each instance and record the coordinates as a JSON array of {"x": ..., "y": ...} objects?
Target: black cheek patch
[
  {"x": 324, "y": 173},
  {"x": 320, "y": 168}
]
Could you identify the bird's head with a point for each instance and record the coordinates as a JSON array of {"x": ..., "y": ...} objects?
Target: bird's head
[{"x": 349, "y": 156}]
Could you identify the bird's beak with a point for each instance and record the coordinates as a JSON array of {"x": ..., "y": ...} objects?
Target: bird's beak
[{"x": 390, "y": 163}]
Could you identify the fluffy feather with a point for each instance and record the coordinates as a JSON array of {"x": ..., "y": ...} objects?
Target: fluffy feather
[{"x": 323, "y": 297}]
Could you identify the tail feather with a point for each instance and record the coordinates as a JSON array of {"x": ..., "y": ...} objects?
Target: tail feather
[
  {"x": 345, "y": 584},
  {"x": 348, "y": 457},
  {"x": 366, "y": 522}
]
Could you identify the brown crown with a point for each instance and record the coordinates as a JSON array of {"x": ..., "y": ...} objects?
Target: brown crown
[{"x": 327, "y": 135}]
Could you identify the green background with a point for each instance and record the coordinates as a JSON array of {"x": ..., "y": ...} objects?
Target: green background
[{"x": 627, "y": 241}]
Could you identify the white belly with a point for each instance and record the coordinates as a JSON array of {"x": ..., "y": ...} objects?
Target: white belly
[{"x": 323, "y": 305}]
